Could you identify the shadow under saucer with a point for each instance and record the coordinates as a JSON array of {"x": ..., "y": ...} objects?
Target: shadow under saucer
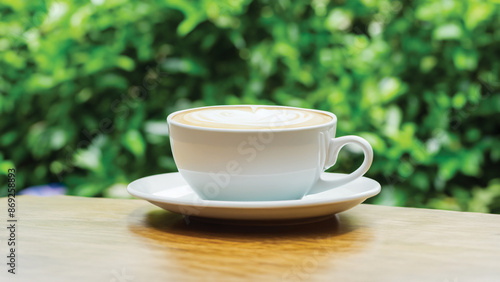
[
  {"x": 299, "y": 221},
  {"x": 173, "y": 223}
]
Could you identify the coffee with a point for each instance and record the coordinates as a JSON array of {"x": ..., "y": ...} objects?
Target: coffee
[{"x": 251, "y": 117}]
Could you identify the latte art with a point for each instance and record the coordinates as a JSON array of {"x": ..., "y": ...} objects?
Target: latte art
[
  {"x": 251, "y": 117},
  {"x": 261, "y": 117}
]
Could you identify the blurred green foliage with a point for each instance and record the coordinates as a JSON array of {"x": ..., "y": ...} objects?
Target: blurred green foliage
[{"x": 86, "y": 86}]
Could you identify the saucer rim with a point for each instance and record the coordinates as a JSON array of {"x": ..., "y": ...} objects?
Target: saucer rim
[{"x": 201, "y": 203}]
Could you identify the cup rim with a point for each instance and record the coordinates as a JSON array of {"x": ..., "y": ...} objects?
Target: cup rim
[{"x": 171, "y": 121}]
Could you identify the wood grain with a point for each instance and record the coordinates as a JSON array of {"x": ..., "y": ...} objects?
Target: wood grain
[{"x": 87, "y": 239}]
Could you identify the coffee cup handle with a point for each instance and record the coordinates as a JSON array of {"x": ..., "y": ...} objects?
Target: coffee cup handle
[{"x": 326, "y": 181}]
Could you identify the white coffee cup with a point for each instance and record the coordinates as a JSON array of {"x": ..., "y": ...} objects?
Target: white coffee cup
[{"x": 235, "y": 161}]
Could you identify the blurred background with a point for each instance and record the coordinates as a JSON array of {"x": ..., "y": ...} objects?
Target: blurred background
[{"x": 85, "y": 87}]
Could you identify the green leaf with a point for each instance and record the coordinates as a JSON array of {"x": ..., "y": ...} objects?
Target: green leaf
[
  {"x": 477, "y": 12},
  {"x": 447, "y": 32},
  {"x": 134, "y": 142},
  {"x": 339, "y": 19},
  {"x": 125, "y": 63},
  {"x": 471, "y": 163},
  {"x": 465, "y": 59},
  {"x": 184, "y": 65},
  {"x": 390, "y": 88},
  {"x": 428, "y": 63},
  {"x": 5, "y": 165},
  {"x": 448, "y": 168}
]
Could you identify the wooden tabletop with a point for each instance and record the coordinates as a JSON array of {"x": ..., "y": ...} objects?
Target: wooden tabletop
[{"x": 92, "y": 239}]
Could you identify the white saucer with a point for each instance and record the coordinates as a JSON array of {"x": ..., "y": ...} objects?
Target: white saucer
[{"x": 171, "y": 192}]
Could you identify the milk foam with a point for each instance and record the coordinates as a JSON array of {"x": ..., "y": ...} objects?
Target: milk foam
[{"x": 251, "y": 117}]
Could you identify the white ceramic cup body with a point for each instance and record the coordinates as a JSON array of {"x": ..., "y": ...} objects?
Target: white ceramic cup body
[{"x": 257, "y": 164}]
